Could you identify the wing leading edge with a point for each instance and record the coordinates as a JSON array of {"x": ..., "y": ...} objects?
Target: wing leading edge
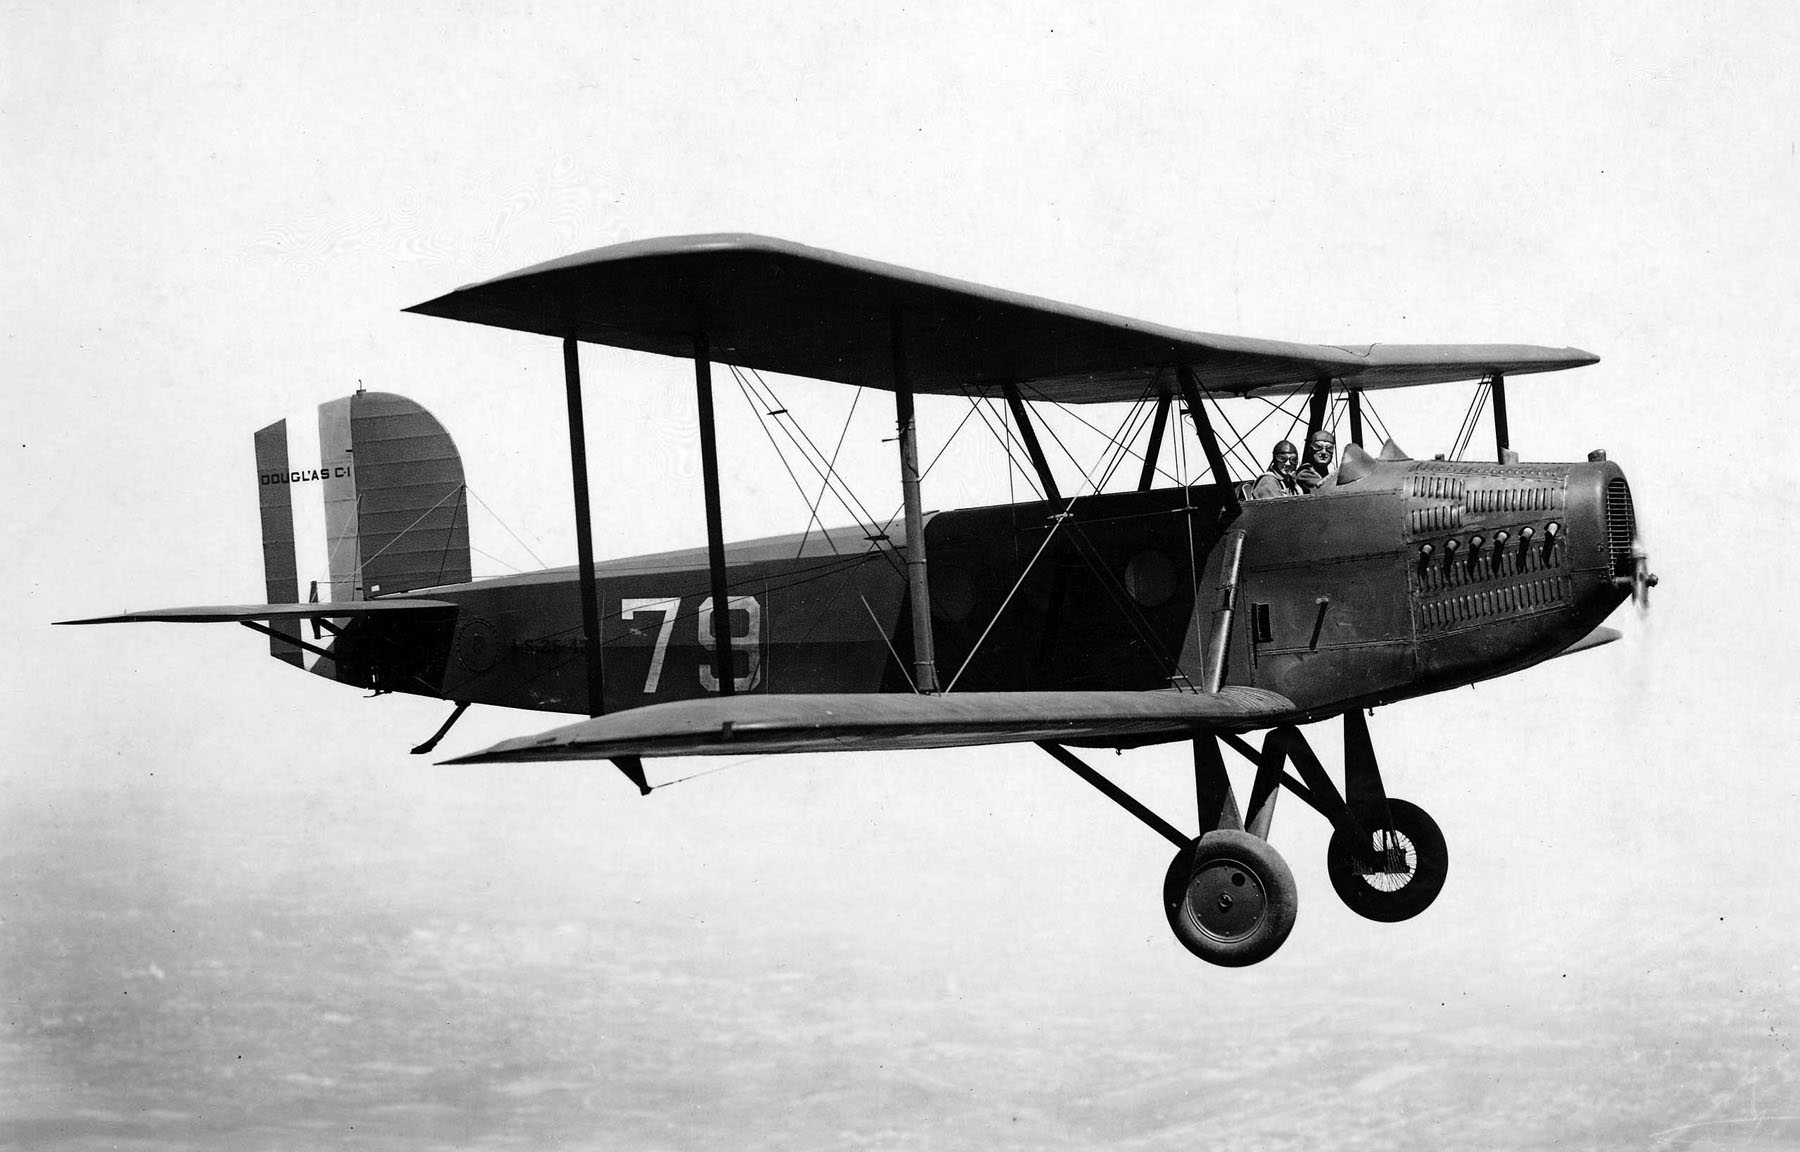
[
  {"x": 784, "y": 307},
  {"x": 746, "y": 725}
]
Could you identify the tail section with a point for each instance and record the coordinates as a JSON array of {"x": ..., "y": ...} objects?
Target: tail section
[
  {"x": 383, "y": 511},
  {"x": 280, "y": 567}
]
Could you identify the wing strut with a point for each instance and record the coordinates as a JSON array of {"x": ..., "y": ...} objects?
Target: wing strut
[
  {"x": 1215, "y": 459},
  {"x": 1116, "y": 794},
  {"x": 1356, "y": 428},
  {"x": 723, "y": 671},
  {"x": 924, "y": 655},
  {"x": 1315, "y": 415},
  {"x": 1502, "y": 440},
  {"x": 1027, "y": 433},
  {"x": 584, "y": 529},
  {"x": 1148, "y": 476}
]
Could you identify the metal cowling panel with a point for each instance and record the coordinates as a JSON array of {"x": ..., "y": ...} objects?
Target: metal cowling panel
[{"x": 1621, "y": 525}]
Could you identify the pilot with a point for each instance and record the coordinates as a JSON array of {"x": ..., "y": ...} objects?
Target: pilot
[
  {"x": 1317, "y": 472},
  {"x": 1279, "y": 479}
]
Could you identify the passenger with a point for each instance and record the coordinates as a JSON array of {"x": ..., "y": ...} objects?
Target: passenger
[
  {"x": 1279, "y": 479},
  {"x": 1317, "y": 472}
]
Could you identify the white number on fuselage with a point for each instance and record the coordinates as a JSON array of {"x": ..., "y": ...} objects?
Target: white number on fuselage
[
  {"x": 750, "y": 643},
  {"x": 669, "y": 609}
]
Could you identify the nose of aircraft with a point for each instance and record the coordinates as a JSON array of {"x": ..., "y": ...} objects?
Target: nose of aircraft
[{"x": 1600, "y": 495}]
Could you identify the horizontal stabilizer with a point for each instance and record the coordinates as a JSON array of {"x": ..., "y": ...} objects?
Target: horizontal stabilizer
[
  {"x": 743, "y": 725},
  {"x": 237, "y": 613}
]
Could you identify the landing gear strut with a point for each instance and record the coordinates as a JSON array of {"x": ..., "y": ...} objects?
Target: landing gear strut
[{"x": 1230, "y": 897}]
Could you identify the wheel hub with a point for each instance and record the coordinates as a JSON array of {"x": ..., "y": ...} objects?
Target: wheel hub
[
  {"x": 1225, "y": 900},
  {"x": 1392, "y": 862}
]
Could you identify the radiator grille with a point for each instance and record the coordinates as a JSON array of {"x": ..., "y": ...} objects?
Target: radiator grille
[{"x": 1621, "y": 525}]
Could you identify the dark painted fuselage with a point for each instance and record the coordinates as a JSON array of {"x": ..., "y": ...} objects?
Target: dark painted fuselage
[{"x": 1419, "y": 576}]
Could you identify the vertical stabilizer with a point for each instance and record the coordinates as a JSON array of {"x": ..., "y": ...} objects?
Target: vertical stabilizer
[
  {"x": 412, "y": 518},
  {"x": 280, "y": 569},
  {"x": 381, "y": 509},
  {"x": 343, "y": 556}
]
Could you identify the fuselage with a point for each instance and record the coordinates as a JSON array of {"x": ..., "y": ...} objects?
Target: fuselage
[{"x": 1415, "y": 577}]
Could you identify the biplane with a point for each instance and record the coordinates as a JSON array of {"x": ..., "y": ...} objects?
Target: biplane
[{"x": 1076, "y": 620}]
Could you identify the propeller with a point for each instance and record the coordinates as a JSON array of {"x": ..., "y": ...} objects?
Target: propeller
[{"x": 1641, "y": 579}]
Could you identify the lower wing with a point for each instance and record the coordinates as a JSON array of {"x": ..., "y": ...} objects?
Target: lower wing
[{"x": 742, "y": 725}]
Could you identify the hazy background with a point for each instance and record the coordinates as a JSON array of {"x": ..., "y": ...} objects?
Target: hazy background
[{"x": 234, "y": 912}]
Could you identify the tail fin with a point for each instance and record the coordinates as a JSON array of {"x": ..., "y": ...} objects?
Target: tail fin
[
  {"x": 280, "y": 567},
  {"x": 386, "y": 505}
]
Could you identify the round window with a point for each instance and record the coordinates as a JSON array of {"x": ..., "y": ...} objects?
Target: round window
[{"x": 1150, "y": 578}]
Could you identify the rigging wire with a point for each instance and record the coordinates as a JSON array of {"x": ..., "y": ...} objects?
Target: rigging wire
[
  {"x": 845, "y": 495},
  {"x": 812, "y": 509},
  {"x": 514, "y": 568},
  {"x": 946, "y": 446},
  {"x": 1141, "y": 414},
  {"x": 1065, "y": 516},
  {"x": 1039, "y": 397},
  {"x": 1273, "y": 409},
  {"x": 1375, "y": 418},
  {"x": 1004, "y": 437},
  {"x": 792, "y": 426},
  {"x": 710, "y": 771},
  {"x": 528, "y": 550},
  {"x": 1237, "y": 448},
  {"x": 1471, "y": 418},
  {"x": 456, "y": 491},
  {"x": 755, "y": 410},
  {"x": 1112, "y": 439}
]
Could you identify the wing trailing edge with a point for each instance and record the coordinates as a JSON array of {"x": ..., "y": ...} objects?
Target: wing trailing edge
[{"x": 744, "y": 725}]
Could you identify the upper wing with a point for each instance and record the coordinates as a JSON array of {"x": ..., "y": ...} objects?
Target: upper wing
[
  {"x": 784, "y": 307},
  {"x": 743, "y": 725},
  {"x": 229, "y": 613}
]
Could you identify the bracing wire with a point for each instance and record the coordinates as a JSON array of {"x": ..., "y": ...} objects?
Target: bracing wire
[
  {"x": 503, "y": 524},
  {"x": 795, "y": 434},
  {"x": 756, "y": 410},
  {"x": 812, "y": 510},
  {"x": 1238, "y": 447},
  {"x": 416, "y": 522},
  {"x": 1038, "y": 397},
  {"x": 1471, "y": 419},
  {"x": 1375, "y": 418},
  {"x": 508, "y": 564},
  {"x": 1066, "y": 516},
  {"x": 811, "y": 450}
]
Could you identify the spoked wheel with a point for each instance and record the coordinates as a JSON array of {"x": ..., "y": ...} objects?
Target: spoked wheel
[
  {"x": 1401, "y": 870},
  {"x": 1231, "y": 898}
]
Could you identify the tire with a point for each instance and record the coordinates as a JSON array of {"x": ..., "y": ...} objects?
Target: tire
[
  {"x": 1230, "y": 898},
  {"x": 1418, "y": 863}
]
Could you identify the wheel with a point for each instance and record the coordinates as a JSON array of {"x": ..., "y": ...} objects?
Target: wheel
[
  {"x": 1231, "y": 898},
  {"x": 1411, "y": 864}
]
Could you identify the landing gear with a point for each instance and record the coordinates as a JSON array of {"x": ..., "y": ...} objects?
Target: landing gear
[
  {"x": 1391, "y": 872},
  {"x": 1230, "y": 898}
]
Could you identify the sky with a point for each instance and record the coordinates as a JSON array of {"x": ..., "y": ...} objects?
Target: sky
[{"x": 215, "y": 214}]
